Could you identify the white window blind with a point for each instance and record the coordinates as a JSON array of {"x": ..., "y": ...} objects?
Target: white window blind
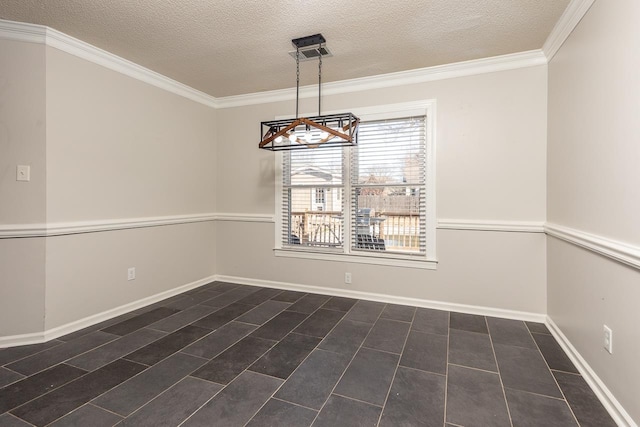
[
  {"x": 388, "y": 203},
  {"x": 376, "y": 190},
  {"x": 312, "y": 208}
]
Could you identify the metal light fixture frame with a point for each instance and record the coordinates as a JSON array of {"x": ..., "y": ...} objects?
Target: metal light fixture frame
[{"x": 329, "y": 130}]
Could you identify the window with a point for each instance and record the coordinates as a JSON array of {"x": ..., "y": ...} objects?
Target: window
[{"x": 369, "y": 202}]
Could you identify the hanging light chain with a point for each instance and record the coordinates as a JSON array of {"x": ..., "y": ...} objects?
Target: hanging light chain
[
  {"x": 320, "y": 79},
  {"x": 297, "y": 78}
]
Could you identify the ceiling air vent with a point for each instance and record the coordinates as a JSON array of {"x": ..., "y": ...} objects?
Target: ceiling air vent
[
  {"x": 311, "y": 52},
  {"x": 310, "y": 47}
]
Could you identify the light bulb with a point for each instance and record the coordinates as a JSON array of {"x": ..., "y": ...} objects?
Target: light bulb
[
  {"x": 307, "y": 136},
  {"x": 279, "y": 139},
  {"x": 292, "y": 137},
  {"x": 324, "y": 135}
]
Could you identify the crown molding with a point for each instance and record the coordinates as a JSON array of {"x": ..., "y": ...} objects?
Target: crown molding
[
  {"x": 616, "y": 250},
  {"x": 481, "y": 225},
  {"x": 32, "y": 33},
  {"x": 570, "y": 18},
  {"x": 512, "y": 61}
]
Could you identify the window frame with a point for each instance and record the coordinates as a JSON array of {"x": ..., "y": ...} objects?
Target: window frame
[{"x": 427, "y": 260}]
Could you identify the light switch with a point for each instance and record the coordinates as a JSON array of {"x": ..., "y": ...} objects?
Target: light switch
[{"x": 23, "y": 173}]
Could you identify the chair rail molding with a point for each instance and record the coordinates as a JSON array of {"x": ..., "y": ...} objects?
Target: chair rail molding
[
  {"x": 10, "y": 231},
  {"x": 491, "y": 225},
  {"x": 616, "y": 250}
]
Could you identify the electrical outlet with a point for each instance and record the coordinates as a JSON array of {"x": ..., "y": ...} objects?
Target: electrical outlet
[
  {"x": 131, "y": 273},
  {"x": 608, "y": 339},
  {"x": 347, "y": 278},
  {"x": 23, "y": 173}
]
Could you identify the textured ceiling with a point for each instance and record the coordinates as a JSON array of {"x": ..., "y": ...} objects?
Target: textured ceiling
[{"x": 231, "y": 47}]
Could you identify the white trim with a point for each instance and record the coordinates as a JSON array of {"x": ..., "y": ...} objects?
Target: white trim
[
  {"x": 245, "y": 217},
  {"x": 370, "y": 296},
  {"x": 482, "y": 225},
  {"x": 611, "y": 404},
  {"x": 614, "y": 249},
  {"x": 39, "y": 337},
  {"x": 395, "y": 260},
  {"x": 10, "y": 231},
  {"x": 32, "y": 33},
  {"x": 512, "y": 61},
  {"x": 570, "y": 18},
  {"x": 425, "y": 108}
]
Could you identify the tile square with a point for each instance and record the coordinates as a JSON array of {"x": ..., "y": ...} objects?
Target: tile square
[
  {"x": 510, "y": 332},
  {"x": 140, "y": 321},
  {"x": 365, "y": 311},
  {"x": 319, "y": 323},
  {"x": 263, "y": 313},
  {"x": 166, "y": 346},
  {"x": 137, "y": 391},
  {"x": 416, "y": 398},
  {"x": 223, "y": 316},
  {"x": 7, "y": 377},
  {"x": 468, "y": 322},
  {"x": 427, "y": 352},
  {"x": 237, "y": 403},
  {"x": 219, "y": 340},
  {"x": 289, "y": 296},
  {"x": 431, "y": 321},
  {"x": 538, "y": 328},
  {"x": 114, "y": 350},
  {"x": 182, "y": 318},
  {"x": 230, "y": 297},
  {"x": 174, "y": 405},
  {"x": 260, "y": 296},
  {"x": 311, "y": 384},
  {"x": 339, "y": 304},
  {"x": 71, "y": 396},
  {"x": 222, "y": 286},
  {"x": 8, "y": 420},
  {"x": 368, "y": 377},
  {"x": 36, "y": 385},
  {"x": 471, "y": 349},
  {"x": 309, "y": 303},
  {"x": 524, "y": 369},
  {"x": 11, "y": 354},
  {"x": 51, "y": 357},
  {"x": 556, "y": 358},
  {"x": 278, "y": 327},
  {"x": 402, "y": 313},
  {"x": 532, "y": 410},
  {"x": 585, "y": 405},
  {"x": 285, "y": 356},
  {"x": 224, "y": 367},
  {"x": 340, "y": 411},
  {"x": 346, "y": 337},
  {"x": 388, "y": 335},
  {"x": 279, "y": 413},
  {"x": 88, "y": 415},
  {"x": 475, "y": 398}
]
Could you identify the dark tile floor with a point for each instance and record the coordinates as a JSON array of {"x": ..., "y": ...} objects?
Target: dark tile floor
[{"x": 233, "y": 355}]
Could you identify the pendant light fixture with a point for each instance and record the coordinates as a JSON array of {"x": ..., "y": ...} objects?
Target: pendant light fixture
[{"x": 309, "y": 132}]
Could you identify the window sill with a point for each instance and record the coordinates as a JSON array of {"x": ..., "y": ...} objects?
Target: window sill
[{"x": 393, "y": 260}]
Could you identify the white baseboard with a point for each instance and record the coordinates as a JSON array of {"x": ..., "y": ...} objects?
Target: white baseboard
[
  {"x": 39, "y": 337},
  {"x": 370, "y": 296},
  {"x": 611, "y": 404}
]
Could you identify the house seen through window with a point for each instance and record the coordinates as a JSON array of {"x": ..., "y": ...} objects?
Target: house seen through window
[{"x": 368, "y": 198}]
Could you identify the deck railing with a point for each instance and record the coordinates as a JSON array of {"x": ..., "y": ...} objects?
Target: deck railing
[{"x": 401, "y": 232}]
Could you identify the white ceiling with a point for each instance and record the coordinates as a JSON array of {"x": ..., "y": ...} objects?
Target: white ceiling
[{"x": 232, "y": 47}]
